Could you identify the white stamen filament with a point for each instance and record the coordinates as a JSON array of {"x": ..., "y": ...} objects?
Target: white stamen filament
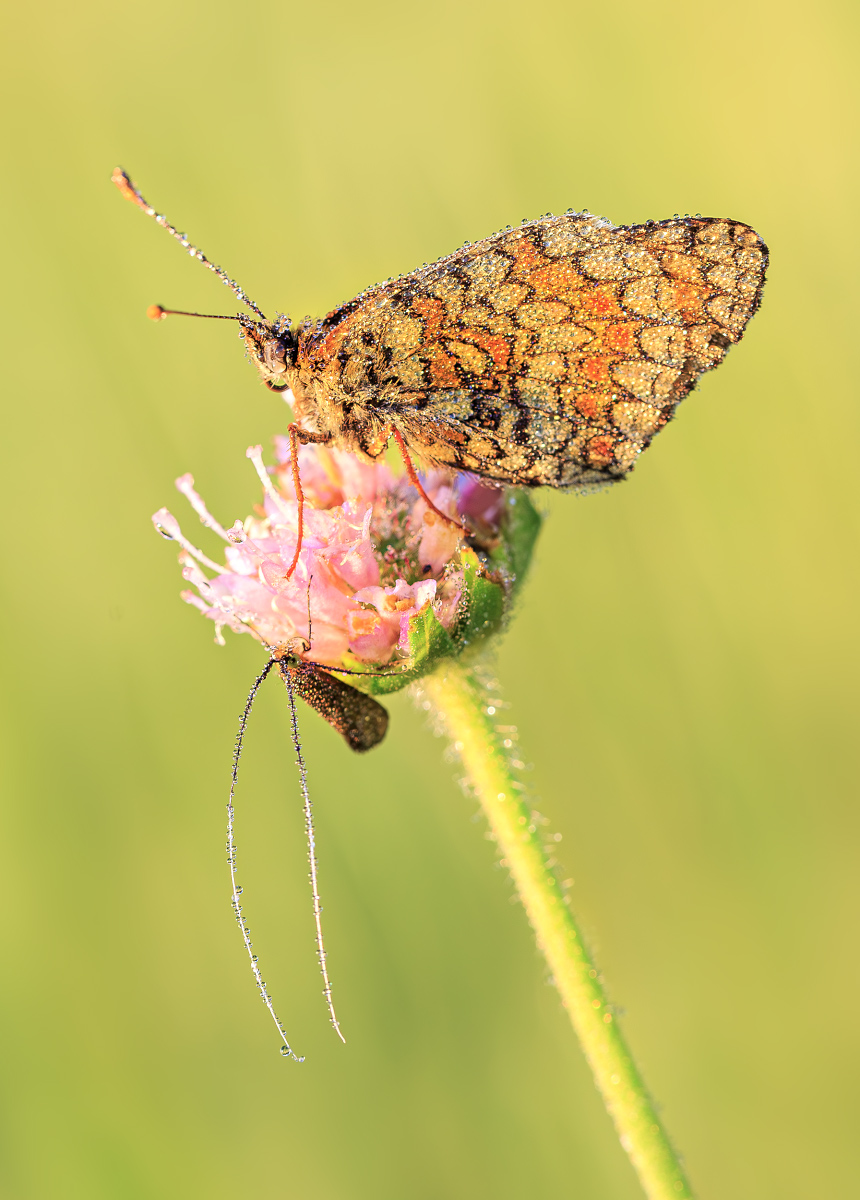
[
  {"x": 168, "y": 526},
  {"x": 185, "y": 484},
  {"x": 255, "y": 453}
]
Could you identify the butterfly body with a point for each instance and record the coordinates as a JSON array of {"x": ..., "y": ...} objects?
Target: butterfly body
[{"x": 546, "y": 355}]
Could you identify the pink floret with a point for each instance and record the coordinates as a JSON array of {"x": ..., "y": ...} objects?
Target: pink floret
[{"x": 366, "y": 530}]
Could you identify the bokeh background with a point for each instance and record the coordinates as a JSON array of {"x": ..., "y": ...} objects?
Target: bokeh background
[{"x": 683, "y": 667}]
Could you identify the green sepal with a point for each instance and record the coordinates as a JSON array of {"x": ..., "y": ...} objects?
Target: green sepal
[
  {"x": 482, "y": 604},
  {"x": 520, "y": 528}
]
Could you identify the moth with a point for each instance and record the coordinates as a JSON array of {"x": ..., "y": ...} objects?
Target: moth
[
  {"x": 545, "y": 355},
  {"x": 360, "y": 720}
]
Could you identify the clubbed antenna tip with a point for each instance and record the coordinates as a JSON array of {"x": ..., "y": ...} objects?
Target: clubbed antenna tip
[
  {"x": 157, "y": 312},
  {"x": 125, "y": 184}
]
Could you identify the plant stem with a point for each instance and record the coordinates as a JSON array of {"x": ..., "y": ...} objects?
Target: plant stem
[{"x": 465, "y": 704}]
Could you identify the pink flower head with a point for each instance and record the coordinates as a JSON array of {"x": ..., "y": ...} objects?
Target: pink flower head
[{"x": 373, "y": 555}]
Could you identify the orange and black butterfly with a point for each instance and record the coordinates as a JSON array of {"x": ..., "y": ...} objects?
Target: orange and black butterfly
[{"x": 546, "y": 355}]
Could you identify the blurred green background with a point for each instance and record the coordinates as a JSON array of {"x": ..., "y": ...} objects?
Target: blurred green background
[{"x": 683, "y": 667}]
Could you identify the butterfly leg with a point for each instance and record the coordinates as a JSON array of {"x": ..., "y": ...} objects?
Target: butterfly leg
[
  {"x": 416, "y": 482},
  {"x": 297, "y": 435}
]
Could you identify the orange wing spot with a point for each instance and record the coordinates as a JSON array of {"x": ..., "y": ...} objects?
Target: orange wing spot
[
  {"x": 596, "y": 369},
  {"x": 682, "y": 266},
  {"x": 687, "y": 299},
  {"x": 441, "y": 434},
  {"x": 592, "y": 404},
  {"x": 498, "y": 347},
  {"x": 600, "y": 302},
  {"x": 601, "y": 451},
  {"x": 621, "y": 338},
  {"x": 526, "y": 257},
  {"x": 431, "y": 313},
  {"x": 556, "y": 281},
  {"x": 443, "y": 369}
]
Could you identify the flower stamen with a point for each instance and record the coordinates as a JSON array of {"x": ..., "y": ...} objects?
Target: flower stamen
[
  {"x": 168, "y": 526},
  {"x": 185, "y": 484},
  {"x": 255, "y": 453}
]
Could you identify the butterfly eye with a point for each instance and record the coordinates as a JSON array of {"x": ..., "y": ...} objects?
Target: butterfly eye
[{"x": 277, "y": 353}]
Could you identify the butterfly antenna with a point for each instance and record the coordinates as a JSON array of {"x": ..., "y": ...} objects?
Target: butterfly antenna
[
  {"x": 286, "y": 1049},
  {"x": 130, "y": 191},
  {"x": 156, "y": 312},
  {"x": 312, "y": 858}
]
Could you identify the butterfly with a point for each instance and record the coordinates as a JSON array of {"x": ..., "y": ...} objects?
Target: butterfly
[{"x": 545, "y": 355}]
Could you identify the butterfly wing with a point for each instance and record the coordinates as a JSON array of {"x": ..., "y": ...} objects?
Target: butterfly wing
[{"x": 549, "y": 354}]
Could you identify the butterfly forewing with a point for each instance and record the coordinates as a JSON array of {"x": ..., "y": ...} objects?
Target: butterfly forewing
[{"x": 545, "y": 355}]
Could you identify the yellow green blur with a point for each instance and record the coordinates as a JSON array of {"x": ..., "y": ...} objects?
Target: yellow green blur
[{"x": 683, "y": 667}]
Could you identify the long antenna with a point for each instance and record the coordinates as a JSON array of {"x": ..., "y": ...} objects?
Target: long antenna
[
  {"x": 312, "y": 857},
  {"x": 129, "y": 190},
  {"x": 286, "y": 1049}
]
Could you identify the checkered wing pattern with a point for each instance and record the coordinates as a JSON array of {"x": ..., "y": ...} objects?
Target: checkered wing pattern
[{"x": 546, "y": 355}]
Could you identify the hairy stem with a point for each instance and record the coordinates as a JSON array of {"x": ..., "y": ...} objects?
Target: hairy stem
[{"x": 465, "y": 705}]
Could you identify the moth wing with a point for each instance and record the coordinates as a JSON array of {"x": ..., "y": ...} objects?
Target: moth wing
[{"x": 358, "y": 718}]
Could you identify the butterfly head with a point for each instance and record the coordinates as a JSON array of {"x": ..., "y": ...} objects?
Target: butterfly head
[{"x": 272, "y": 346}]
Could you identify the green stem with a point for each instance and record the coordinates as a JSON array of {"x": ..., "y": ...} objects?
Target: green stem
[{"x": 464, "y": 704}]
